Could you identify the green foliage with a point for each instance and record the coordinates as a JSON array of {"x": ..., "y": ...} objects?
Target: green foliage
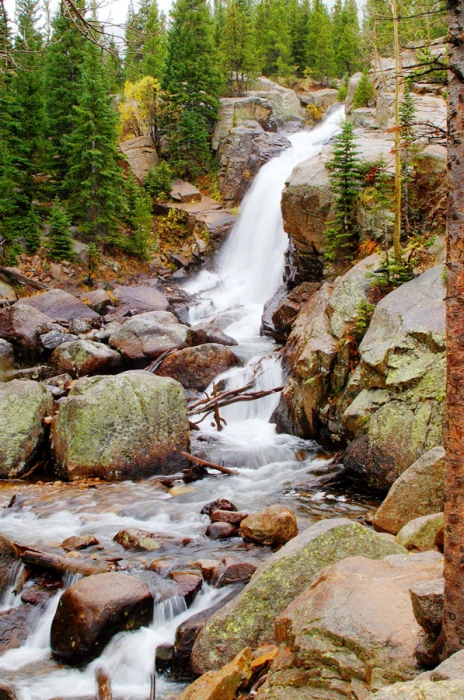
[
  {"x": 320, "y": 44},
  {"x": 63, "y": 61},
  {"x": 345, "y": 180},
  {"x": 189, "y": 145},
  {"x": 60, "y": 241},
  {"x": 273, "y": 37},
  {"x": 238, "y": 46},
  {"x": 94, "y": 179},
  {"x": 343, "y": 89},
  {"x": 346, "y": 37},
  {"x": 158, "y": 181},
  {"x": 93, "y": 256},
  {"x": 31, "y": 230},
  {"x": 364, "y": 95},
  {"x": 394, "y": 273},
  {"x": 364, "y": 312},
  {"x": 139, "y": 219},
  {"x": 12, "y": 253},
  {"x": 145, "y": 40}
]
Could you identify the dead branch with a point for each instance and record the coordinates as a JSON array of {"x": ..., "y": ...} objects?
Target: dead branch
[
  {"x": 17, "y": 276},
  {"x": 211, "y": 465},
  {"x": 228, "y": 398}
]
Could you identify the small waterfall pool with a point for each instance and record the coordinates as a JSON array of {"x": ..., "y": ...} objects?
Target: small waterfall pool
[{"x": 271, "y": 468}]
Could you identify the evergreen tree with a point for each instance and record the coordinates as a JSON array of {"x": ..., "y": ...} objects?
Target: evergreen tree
[
  {"x": 31, "y": 230},
  {"x": 28, "y": 101},
  {"x": 345, "y": 180},
  {"x": 347, "y": 37},
  {"x": 154, "y": 43},
  {"x": 139, "y": 219},
  {"x": 193, "y": 80},
  {"x": 321, "y": 55},
  {"x": 114, "y": 66},
  {"x": 299, "y": 17},
  {"x": 94, "y": 180},
  {"x": 63, "y": 58},
  {"x": 60, "y": 241},
  {"x": 407, "y": 115},
  {"x": 273, "y": 37},
  {"x": 238, "y": 46},
  {"x": 364, "y": 95},
  {"x": 158, "y": 181}
]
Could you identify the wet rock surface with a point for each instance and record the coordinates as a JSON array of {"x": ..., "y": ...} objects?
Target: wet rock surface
[
  {"x": 132, "y": 425},
  {"x": 195, "y": 368},
  {"x": 15, "y": 625},
  {"x": 272, "y": 526},
  {"x": 8, "y": 557},
  {"x": 145, "y": 337},
  {"x": 93, "y": 610}
]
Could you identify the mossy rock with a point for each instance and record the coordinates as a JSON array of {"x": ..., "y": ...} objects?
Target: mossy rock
[
  {"x": 130, "y": 426},
  {"x": 248, "y": 620}
]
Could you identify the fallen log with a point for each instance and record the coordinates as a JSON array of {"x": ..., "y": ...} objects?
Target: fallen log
[
  {"x": 227, "y": 398},
  {"x": 18, "y": 276},
  {"x": 53, "y": 562},
  {"x": 211, "y": 465},
  {"x": 103, "y": 680}
]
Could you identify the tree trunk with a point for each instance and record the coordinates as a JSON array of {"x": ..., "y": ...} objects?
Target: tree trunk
[
  {"x": 453, "y": 618},
  {"x": 397, "y": 230}
]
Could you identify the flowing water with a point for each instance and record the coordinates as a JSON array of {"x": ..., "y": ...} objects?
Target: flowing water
[{"x": 271, "y": 468}]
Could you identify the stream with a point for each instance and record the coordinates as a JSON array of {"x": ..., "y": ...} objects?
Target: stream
[{"x": 271, "y": 468}]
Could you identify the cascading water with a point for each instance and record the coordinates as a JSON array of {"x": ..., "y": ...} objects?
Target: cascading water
[{"x": 249, "y": 270}]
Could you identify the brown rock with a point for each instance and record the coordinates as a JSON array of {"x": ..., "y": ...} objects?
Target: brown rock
[
  {"x": 93, "y": 610},
  {"x": 353, "y": 629},
  {"x": 15, "y": 625},
  {"x": 36, "y": 596},
  {"x": 184, "y": 192},
  {"x": 188, "y": 582},
  {"x": 286, "y": 312},
  {"x": 417, "y": 491},
  {"x": 275, "y": 525},
  {"x": 141, "y": 155},
  {"x": 22, "y": 326},
  {"x": 98, "y": 300},
  {"x": 195, "y": 368},
  {"x": 420, "y": 533},
  {"x": 427, "y": 599},
  {"x": 141, "y": 299},
  {"x": 206, "y": 566},
  {"x": 8, "y": 556},
  {"x": 227, "y": 516},
  {"x": 218, "y": 504},
  {"x": 223, "y": 684},
  {"x": 6, "y": 693},
  {"x": 79, "y": 542},
  {"x": 60, "y": 306},
  {"x": 219, "y": 531},
  {"x": 237, "y": 573},
  {"x": 205, "y": 333},
  {"x": 163, "y": 657},
  {"x": 144, "y": 541},
  {"x": 82, "y": 358},
  {"x": 147, "y": 336}
]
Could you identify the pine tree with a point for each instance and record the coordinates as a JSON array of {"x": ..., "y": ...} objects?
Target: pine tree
[
  {"x": 63, "y": 62},
  {"x": 299, "y": 16},
  {"x": 345, "y": 180},
  {"x": 364, "y": 95},
  {"x": 238, "y": 46},
  {"x": 94, "y": 180},
  {"x": 114, "y": 66},
  {"x": 154, "y": 43},
  {"x": 347, "y": 37},
  {"x": 60, "y": 241},
  {"x": 193, "y": 80},
  {"x": 273, "y": 37},
  {"x": 407, "y": 115},
  {"x": 321, "y": 54},
  {"x": 31, "y": 230},
  {"x": 139, "y": 219}
]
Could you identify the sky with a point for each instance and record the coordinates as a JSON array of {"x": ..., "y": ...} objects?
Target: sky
[{"x": 112, "y": 10}]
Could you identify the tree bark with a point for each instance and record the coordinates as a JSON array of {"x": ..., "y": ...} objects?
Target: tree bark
[{"x": 453, "y": 617}]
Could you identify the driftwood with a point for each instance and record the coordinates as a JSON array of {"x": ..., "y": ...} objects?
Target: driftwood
[
  {"x": 226, "y": 398},
  {"x": 18, "y": 276},
  {"x": 153, "y": 686},
  {"x": 211, "y": 465},
  {"x": 53, "y": 562},
  {"x": 103, "y": 685}
]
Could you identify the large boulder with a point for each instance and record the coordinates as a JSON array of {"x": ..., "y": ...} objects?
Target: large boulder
[
  {"x": 147, "y": 336},
  {"x": 140, "y": 299},
  {"x": 60, "y": 306},
  {"x": 420, "y": 533},
  {"x": 23, "y": 406},
  {"x": 15, "y": 626},
  {"x": 286, "y": 105},
  {"x": 241, "y": 154},
  {"x": 7, "y": 293},
  {"x": 129, "y": 426},
  {"x": 85, "y": 357},
  {"x": 22, "y": 325},
  {"x": 93, "y": 610},
  {"x": 417, "y": 491},
  {"x": 413, "y": 690},
  {"x": 195, "y": 368},
  {"x": 6, "y": 358},
  {"x": 398, "y": 412},
  {"x": 249, "y": 618},
  {"x": 141, "y": 155},
  {"x": 352, "y": 631}
]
